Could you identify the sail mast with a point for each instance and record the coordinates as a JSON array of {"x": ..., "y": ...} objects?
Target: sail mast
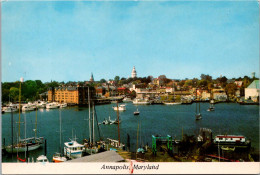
[
  {"x": 21, "y": 80},
  {"x": 118, "y": 123},
  {"x": 93, "y": 132},
  {"x": 60, "y": 130},
  {"x": 89, "y": 116},
  {"x": 35, "y": 124}
]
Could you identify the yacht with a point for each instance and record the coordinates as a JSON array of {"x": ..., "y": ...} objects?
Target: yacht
[
  {"x": 52, "y": 105},
  {"x": 27, "y": 107},
  {"x": 119, "y": 108},
  {"x": 73, "y": 149},
  {"x": 139, "y": 101}
]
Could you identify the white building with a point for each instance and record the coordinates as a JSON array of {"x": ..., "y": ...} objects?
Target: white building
[
  {"x": 252, "y": 91},
  {"x": 134, "y": 74}
]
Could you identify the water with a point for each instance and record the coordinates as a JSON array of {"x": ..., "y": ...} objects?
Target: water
[{"x": 228, "y": 118}]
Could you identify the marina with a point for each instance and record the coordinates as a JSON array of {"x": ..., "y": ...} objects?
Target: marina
[{"x": 160, "y": 120}]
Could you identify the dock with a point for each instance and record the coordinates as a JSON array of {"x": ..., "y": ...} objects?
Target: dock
[{"x": 107, "y": 156}]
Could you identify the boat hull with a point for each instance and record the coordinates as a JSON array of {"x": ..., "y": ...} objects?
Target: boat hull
[{"x": 22, "y": 148}]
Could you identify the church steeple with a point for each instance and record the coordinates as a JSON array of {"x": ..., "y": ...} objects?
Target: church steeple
[
  {"x": 91, "y": 78},
  {"x": 134, "y": 74}
]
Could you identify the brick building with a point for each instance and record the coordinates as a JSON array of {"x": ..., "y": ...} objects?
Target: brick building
[{"x": 70, "y": 94}]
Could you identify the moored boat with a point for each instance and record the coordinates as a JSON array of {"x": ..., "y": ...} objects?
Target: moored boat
[
  {"x": 119, "y": 108},
  {"x": 73, "y": 149},
  {"x": 53, "y": 105},
  {"x": 237, "y": 140},
  {"x": 138, "y": 101}
]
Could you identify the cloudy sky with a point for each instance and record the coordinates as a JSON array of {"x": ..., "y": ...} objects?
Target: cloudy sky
[{"x": 66, "y": 41}]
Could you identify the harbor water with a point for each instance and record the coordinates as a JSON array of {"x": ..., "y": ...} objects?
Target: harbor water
[{"x": 173, "y": 120}]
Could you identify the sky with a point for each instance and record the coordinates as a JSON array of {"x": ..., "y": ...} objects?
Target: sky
[{"x": 67, "y": 41}]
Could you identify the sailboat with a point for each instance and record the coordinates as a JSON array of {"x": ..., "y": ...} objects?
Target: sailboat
[
  {"x": 26, "y": 144},
  {"x": 211, "y": 107},
  {"x": 91, "y": 146},
  {"x": 57, "y": 157},
  {"x": 136, "y": 112},
  {"x": 198, "y": 116}
]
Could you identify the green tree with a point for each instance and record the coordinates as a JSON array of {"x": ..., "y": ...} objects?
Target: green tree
[
  {"x": 116, "y": 79},
  {"x": 102, "y": 80},
  {"x": 14, "y": 94},
  {"x": 231, "y": 89}
]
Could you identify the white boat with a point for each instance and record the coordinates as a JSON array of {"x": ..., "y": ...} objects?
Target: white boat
[
  {"x": 136, "y": 112},
  {"x": 73, "y": 149},
  {"x": 63, "y": 105},
  {"x": 138, "y": 101},
  {"x": 9, "y": 109},
  {"x": 28, "y": 107},
  {"x": 119, "y": 108},
  {"x": 127, "y": 99},
  {"x": 172, "y": 103},
  {"x": 231, "y": 140},
  {"x": 42, "y": 159},
  {"x": 31, "y": 143},
  {"x": 40, "y": 104},
  {"x": 53, "y": 105}
]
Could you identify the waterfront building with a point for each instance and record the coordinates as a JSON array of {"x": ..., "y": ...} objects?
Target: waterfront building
[
  {"x": 70, "y": 94},
  {"x": 252, "y": 91},
  {"x": 219, "y": 94},
  {"x": 134, "y": 74}
]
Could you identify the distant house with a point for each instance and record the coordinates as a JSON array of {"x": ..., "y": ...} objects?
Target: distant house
[
  {"x": 169, "y": 90},
  {"x": 252, "y": 91},
  {"x": 219, "y": 94}
]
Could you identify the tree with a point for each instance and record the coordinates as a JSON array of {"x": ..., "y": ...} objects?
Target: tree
[
  {"x": 231, "y": 89},
  {"x": 14, "y": 93},
  {"x": 117, "y": 78},
  {"x": 206, "y": 77},
  {"x": 102, "y": 80}
]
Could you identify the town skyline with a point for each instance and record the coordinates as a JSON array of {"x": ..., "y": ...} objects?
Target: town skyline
[{"x": 67, "y": 41}]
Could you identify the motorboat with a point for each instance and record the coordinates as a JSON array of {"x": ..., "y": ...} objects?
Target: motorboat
[
  {"x": 57, "y": 158},
  {"x": 231, "y": 140},
  {"x": 9, "y": 109},
  {"x": 40, "y": 104},
  {"x": 73, "y": 149},
  {"x": 63, "y": 105},
  {"x": 119, "y": 108},
  {"x": 42, "y": 159},
  {"x": 28, "y": 107},
  {"x": 136, "y": 112},
  {"x": 127, "y": 99},
  {"x": 52, "y": 105},
  {"x": 138, "y": 101}
]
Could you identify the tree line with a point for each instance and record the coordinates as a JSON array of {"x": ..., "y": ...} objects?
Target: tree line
[{"x": 31, "y": 89}]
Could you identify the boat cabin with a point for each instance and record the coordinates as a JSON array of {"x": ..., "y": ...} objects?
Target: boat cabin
[{"x": 229, "y": 139}]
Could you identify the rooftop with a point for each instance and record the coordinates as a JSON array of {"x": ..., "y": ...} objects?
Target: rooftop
[{"x": 254, "y": 85}]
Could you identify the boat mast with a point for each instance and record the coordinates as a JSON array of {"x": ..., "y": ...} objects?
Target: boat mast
[
  {"x": 118, "y": 123},
  {"x": 25, "y": 133},
  {"x": 60, "y": 131},
  {"x": 21, "y": 80},
  {"x": 35, "y": 124},
  {"x": 93, "y": 132},
  {"x": 196, "y": 100},
  {"x": 89, "y": 116}
]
